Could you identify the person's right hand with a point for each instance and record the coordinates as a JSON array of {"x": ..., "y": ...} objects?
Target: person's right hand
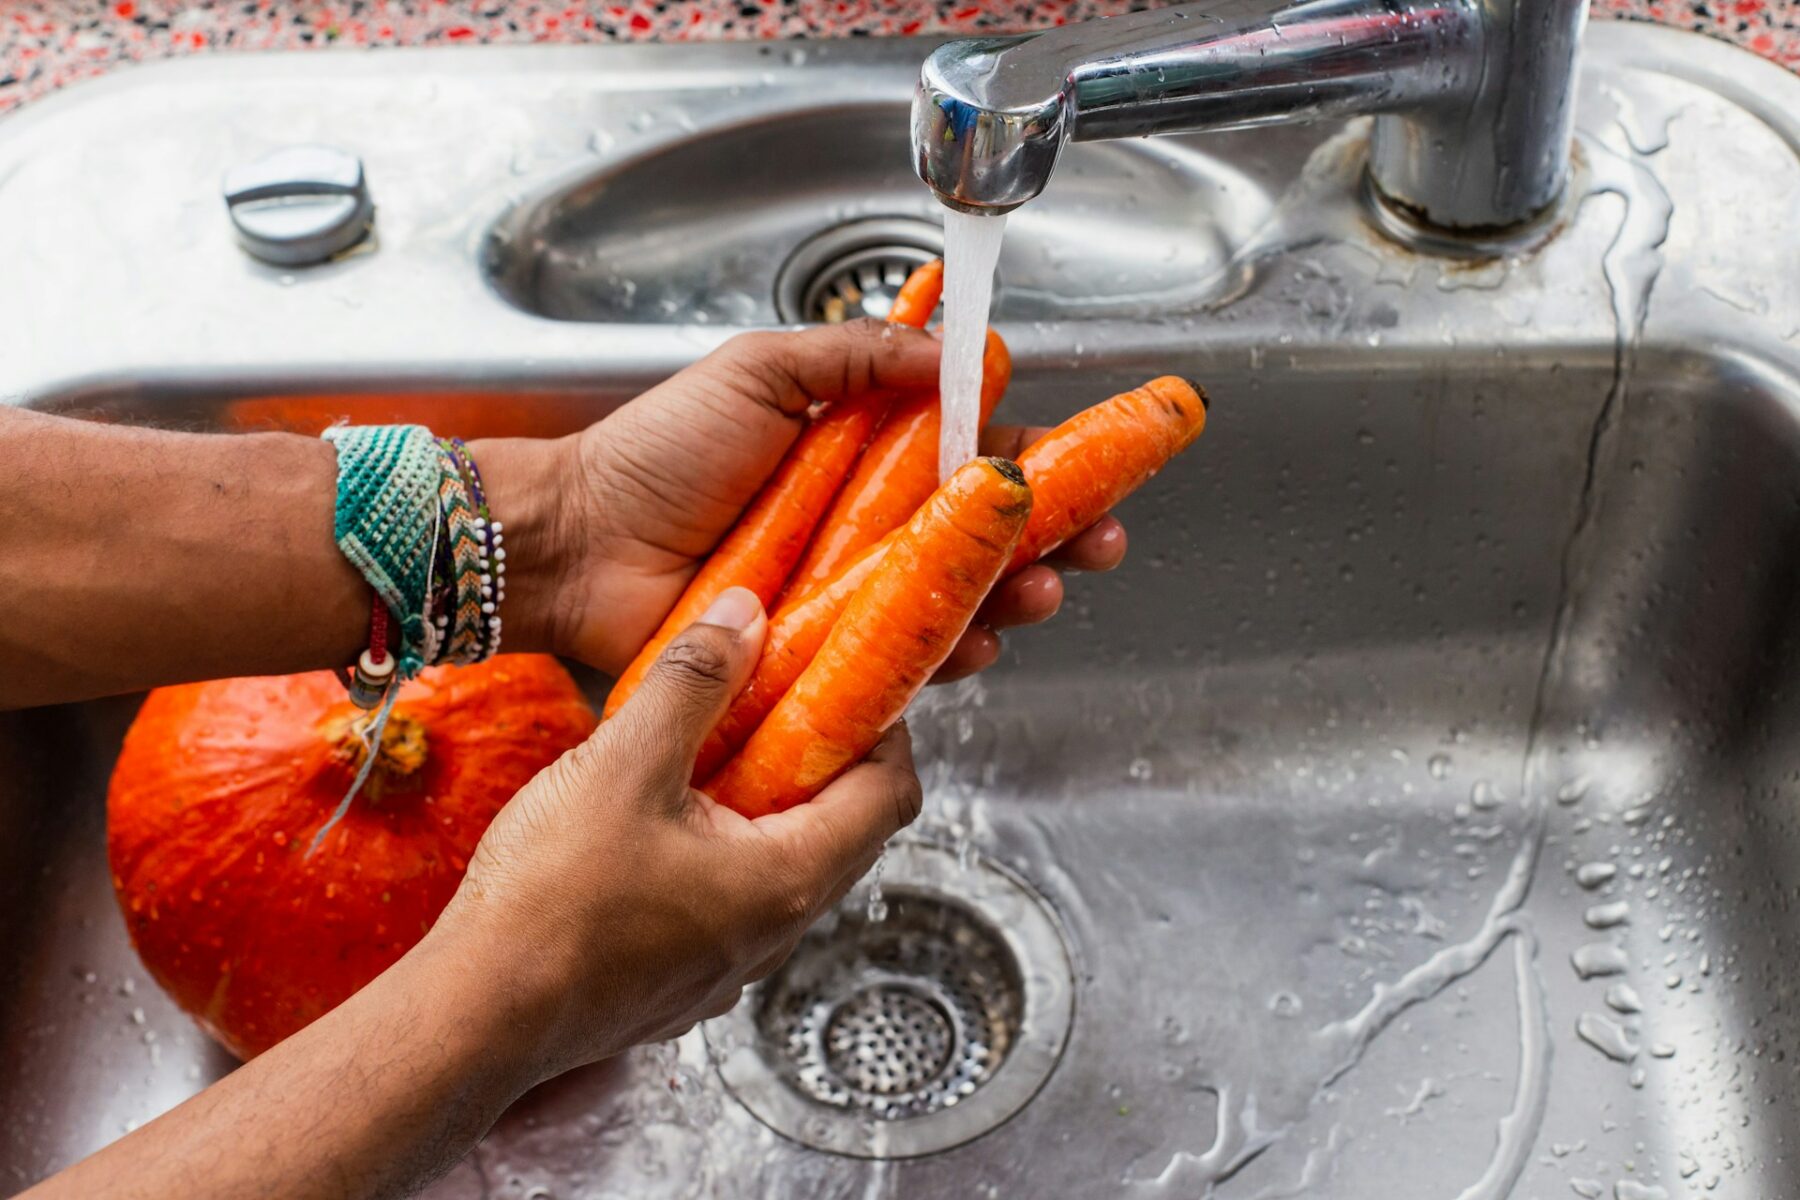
[
  {"x": 618, "y": 905},
  {"x": 630, "y": 507}
]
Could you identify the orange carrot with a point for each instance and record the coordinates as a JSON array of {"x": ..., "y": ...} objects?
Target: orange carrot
[
  {"x": 1101, "y": 455},
  {"x": 895, "y": 475},
  {"x": 1132, "y": 435},
  {"x": 918, "y": 296},
  {"x": 760, "y": 552},
  {"x": 897, "y": 629},
  {"x": 796, "y": 631},
  {"x": 769, "y": 538}
]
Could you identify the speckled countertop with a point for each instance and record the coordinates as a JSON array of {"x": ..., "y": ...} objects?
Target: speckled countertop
[{"x": 45, "y": 44}]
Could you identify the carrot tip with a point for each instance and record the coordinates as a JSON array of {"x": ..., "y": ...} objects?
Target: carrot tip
[{"x": 1008, "y": 468}]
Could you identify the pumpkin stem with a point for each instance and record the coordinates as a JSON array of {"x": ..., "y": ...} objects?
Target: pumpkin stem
[{"x": 401, "y": 753}]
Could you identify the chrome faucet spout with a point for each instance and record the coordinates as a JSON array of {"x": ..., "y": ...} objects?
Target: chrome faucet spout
[{"x": 1472, "y": 98}]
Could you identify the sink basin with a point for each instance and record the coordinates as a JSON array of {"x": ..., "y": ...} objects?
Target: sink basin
[
  {"x": 696, "y": 230},
  {"x": 1413, "y": 814}
]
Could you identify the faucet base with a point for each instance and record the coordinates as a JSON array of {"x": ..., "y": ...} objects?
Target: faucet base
[{"x": 1405, "y": 225}]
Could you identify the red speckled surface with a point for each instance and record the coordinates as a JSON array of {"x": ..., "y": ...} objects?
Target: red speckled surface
[{"x": 45, "y": 44}]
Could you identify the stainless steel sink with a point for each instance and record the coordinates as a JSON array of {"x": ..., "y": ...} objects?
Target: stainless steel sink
[{"x": 1415, "y": 814}]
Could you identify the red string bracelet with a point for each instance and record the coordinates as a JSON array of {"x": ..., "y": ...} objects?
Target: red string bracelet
[{"x": 374, "y": 670}]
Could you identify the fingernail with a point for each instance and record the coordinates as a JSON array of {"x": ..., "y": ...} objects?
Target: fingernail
[{"x": 735, "y": 609}]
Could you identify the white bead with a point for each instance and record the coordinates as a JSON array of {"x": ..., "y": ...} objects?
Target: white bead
[
  {"x": 488, "y": 606},
  {"x": 500, "y": 552},
  {"x": 498, "y": 526},
  {"x": 486, "y": 578}
]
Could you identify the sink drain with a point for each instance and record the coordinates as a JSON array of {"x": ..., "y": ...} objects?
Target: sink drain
[
  {"x": 899, "y": 1018},
  {"x": 910, "y": 1035},
  {"x": 853, "y": 270}
]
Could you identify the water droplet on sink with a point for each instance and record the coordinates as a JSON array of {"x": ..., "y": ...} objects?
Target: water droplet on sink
[
  {"x": 1484, "y": 796},
  {"x": 1622, "y": 997},
  {"x": 1606, "y": 916},
  {"x": 1284, "y": 1004},
  {"x": 1438, "y": 766},
  {"x": 1606, "y": 1036},
  {"x": 1592, "y": 875},
  {"x": 1661, "y": 1050},
  {"x": 1572, "y": 791},
  {"x": 1626, "y": 1189},
  {"x": 1587, "y": 1189},
  {"x": 1140, "y": 769},
  {"x": 795, "y": 56},
  {"x": 1599, "y": 958}
]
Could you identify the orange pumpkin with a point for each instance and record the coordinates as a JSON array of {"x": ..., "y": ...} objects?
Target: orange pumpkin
[{"x": 221, "y": 786}]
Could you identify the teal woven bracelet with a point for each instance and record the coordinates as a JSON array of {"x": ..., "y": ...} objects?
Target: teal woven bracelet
[{"x": 386, "y": 524}]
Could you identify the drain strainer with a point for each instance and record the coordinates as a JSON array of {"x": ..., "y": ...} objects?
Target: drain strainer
[
  {"x": 854, "y": 270},
  {"x": 897, "y": 1018},
  {"x": 909, "y": 1035}
]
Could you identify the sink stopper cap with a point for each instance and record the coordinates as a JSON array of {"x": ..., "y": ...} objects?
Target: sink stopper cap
[{"x": 299, "y": 205}]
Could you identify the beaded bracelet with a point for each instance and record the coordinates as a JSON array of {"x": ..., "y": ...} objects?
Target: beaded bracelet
[
  {"x": 493, "y": 564},
  {"x": 412, "y": 517}
]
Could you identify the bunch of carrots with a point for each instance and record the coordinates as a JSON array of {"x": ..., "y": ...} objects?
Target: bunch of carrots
[{"x": 872, "y": 572}]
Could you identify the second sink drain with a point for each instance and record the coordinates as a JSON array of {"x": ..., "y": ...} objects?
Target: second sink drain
[
  {"x": 911, "y": 1035},
  {"x": 853, "y": 270}
]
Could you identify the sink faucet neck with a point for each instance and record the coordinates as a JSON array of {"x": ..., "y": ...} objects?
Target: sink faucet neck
[{"x": 1472, "y": 97}]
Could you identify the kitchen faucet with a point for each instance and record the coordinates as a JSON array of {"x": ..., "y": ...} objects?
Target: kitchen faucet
[{"x": 1473, "y": 99}]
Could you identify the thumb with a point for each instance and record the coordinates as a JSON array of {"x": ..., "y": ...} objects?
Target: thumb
[{"x": 690, "y": 684}]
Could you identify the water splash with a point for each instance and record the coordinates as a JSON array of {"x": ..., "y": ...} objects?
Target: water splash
[{"x": 877, "y": 909}]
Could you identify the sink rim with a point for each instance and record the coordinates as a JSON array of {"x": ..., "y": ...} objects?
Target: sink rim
[{"x": 445, "y": 321}]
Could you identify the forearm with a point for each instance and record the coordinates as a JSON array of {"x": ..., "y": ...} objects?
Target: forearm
[
  {"x": 375, "y": 1099},
  {"x": 134, "y": 557}
]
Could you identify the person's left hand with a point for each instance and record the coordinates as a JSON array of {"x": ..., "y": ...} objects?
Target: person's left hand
[{"x": 646, "y": 493}]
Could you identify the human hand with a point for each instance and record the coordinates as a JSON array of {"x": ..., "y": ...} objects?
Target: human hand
[
  {"x": 623, "y": 905},
  {"x": 636, "y": 501}
]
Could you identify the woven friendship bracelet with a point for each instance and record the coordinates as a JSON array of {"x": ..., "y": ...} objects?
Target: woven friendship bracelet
[
  {"x": 411, "y": 515},
  {"x": 387, "y": 521},
  {"x": 466, "y": 620}
]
